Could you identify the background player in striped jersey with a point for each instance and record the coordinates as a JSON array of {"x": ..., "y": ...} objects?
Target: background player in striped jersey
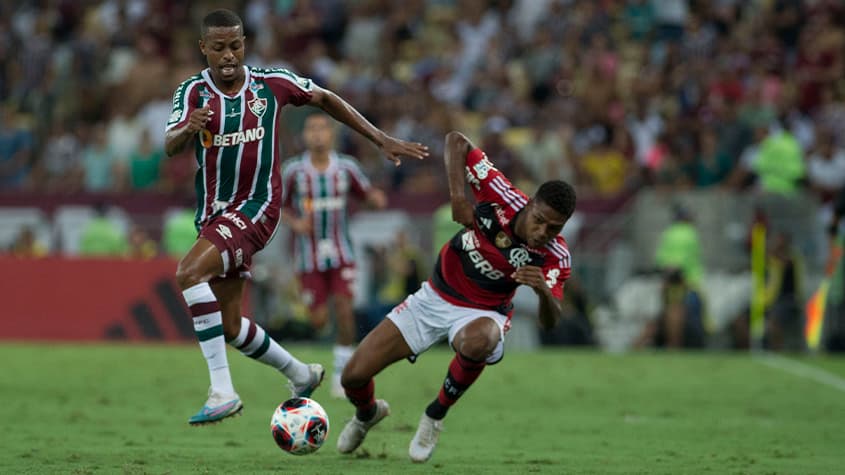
[
  {"x": 229, "y": 114},
  {"x": 508, "y": 240},
  {"x": 316, "y": 187}
]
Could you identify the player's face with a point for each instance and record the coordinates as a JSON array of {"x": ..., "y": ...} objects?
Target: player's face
[
  {"x": 223, "y": 47},
  {"x": 318, "y": 133},
  {"x": 542, "y": 224}
]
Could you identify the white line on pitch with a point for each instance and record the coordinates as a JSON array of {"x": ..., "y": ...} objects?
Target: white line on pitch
[{"x": 802, "y": 370}]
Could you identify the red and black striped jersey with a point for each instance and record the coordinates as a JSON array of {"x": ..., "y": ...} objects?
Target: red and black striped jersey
[{"x": 474, "y": 267}]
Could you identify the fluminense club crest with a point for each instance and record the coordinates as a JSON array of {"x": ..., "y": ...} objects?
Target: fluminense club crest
[{"x": 257, "y": 106}]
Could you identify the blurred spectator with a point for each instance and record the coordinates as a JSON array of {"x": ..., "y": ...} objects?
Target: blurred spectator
[
  {"x": 679, "y": 248},
  {"x": 15, "y": 151},
  {"x": 102, "y": 237},
  {"x": 403, "y": 270},
  {"x": 826, "y": 167},
  {"x": 145, "y": 164},
  {"x": 779, "y": 164},
  {"x": 680, "y": 323},
  {"x": 25, "y": 245},
  {"x": 712, "y": 166},
  {"x": 141, "y": 246},
  {"x": 60, "y": 168},
  {"x": 100, "y": 166}
]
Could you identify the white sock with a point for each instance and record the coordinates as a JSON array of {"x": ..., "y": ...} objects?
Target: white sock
[
  {"x": 342, "y": 354},
  {"x": 208, "y": 326},
  {"x": 254, "y": 342}
]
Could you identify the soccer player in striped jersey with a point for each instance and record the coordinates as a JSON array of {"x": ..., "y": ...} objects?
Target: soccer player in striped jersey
[
  {"x": 509, "y": 240},
  {"x": 317, "y": 186},
  {"x": 229, "y": 113}
]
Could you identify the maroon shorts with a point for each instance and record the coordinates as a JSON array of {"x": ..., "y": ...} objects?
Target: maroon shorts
[
  {"x": 238, "y": 239},
  {"x": 318, "y": 286}
]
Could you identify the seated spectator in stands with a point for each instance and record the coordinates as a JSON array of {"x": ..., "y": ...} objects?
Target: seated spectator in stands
[
  {"x": 60, "y": 166},
  {"x": 15, "y": 151},
  {"x": 826, "y": 167},
  {"x": 712, "y": 165},
  {"x": 25, "y": 245},
  {"x": 145, "y": 164},
  {"x": 603, "y": 170},
  {"x": 100, "y": 168},
  {"x": 102, "y": 237},
  {"x": 743, "y": 174},
  {"x": 784, "y": 296}
]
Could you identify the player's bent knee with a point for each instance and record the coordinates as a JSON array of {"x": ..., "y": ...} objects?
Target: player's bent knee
[
  {"x": 478, "y": 340},
  {"x": 187, "y": 275},
  {"x": 353, "y": 377}
]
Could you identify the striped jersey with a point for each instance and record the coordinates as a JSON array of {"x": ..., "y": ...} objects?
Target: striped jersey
[
  {"x": 238, "y": 152},
  {"x": 323, "y": 196},
  {"x": 474, "y": 268}
]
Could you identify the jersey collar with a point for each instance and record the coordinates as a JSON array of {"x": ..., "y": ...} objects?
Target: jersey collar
[{"x": 206, "y": 74}]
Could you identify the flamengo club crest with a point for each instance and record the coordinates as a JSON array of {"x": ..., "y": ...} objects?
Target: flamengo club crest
[{"x": 257, "y": 106}]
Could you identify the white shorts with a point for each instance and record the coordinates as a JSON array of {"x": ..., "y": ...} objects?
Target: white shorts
[{"x": 424, "y": 319}]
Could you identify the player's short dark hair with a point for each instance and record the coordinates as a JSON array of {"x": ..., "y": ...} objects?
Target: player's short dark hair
[
  {"x": 559, "y": 195},
  {"x": 221, "y": 18}
]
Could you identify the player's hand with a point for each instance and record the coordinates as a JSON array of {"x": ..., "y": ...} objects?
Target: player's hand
[
  {"x": 531, "y": 276},
  {"x": 377, "y": 198},
  {"x": 395, "y": 148},
  {"x": 462, "y": 212},
  {"x": 199, "y": 118},
  {"x": 301, "y": 225}
]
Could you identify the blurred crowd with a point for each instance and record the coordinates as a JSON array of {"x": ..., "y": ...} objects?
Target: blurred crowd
[{"x": 611, "y": 95}]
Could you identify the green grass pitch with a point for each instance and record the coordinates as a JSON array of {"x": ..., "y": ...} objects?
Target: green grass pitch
[{"x": 90, "y": 409}]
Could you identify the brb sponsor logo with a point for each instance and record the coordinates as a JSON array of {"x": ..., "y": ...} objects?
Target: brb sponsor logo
[
  {"x": 231, "y": 139},
  {"x": 482, "y": 265}
]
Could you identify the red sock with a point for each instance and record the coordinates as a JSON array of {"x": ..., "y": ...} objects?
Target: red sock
[
  {"x": 462, "y": 373},
  {"x": 364, "y": 400}
]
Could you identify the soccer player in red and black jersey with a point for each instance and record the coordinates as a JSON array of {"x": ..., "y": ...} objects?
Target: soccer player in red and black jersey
[
  {"x": 508, "y": 240},
  {"x": 229, "y": 114}
]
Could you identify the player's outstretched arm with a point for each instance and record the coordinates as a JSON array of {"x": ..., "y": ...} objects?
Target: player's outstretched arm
[
  {"x": 341, "y": 110},
  {"x": 455, "y": 159}
]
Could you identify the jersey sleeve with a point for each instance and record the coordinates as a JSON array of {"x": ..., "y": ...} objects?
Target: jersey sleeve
[
  {"x": 359, "y": 184},
  {"x": 288, "y": 182},
  {"x": 184, "y": 102},
  {"x": 489, "y": 184},
  {"x": 288, "y": 87},
  {"x": 558, "y": 266}
]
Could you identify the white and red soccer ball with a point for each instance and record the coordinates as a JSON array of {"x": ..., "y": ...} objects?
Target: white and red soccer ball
[{"x": 300, "y": 426}]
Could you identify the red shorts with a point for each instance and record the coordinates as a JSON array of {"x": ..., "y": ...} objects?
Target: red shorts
[
  {"x": 238, "y": 239},
  {"x": 318, "y": 286}
]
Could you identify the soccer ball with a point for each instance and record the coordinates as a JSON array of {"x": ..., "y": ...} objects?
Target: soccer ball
[{"x": 299, "y": 426}]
